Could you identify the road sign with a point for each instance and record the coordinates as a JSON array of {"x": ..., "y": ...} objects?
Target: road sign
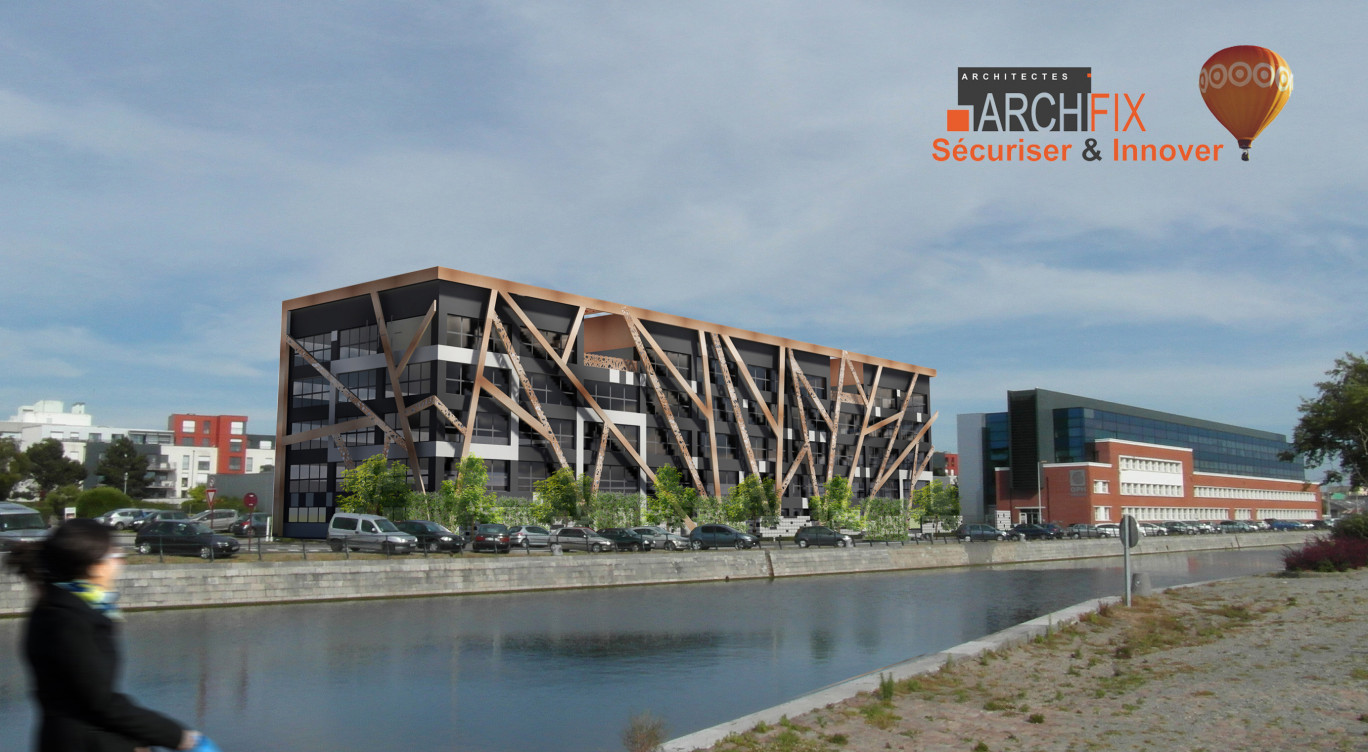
[
  {"x": 249, "y": 500},
  {"x": 209, "y": 494}
]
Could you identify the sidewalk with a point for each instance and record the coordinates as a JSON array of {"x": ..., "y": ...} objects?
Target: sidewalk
[{"x": 1261, "y": 664}]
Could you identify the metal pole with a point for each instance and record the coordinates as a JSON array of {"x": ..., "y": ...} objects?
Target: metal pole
[{"x": 1125, "y": 551}]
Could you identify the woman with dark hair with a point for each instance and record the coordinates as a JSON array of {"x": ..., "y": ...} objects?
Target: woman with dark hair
[{"x": 70, "y": 647}]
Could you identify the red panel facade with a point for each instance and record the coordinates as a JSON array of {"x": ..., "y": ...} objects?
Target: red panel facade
[{"x": 214, "y": 431}]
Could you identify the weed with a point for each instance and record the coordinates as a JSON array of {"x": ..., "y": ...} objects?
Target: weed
[
  {"x": 839, "y": 740},
  {"x": 644, "y": 733},
  {"x": 980, "y": 747},
  {"x": 1035, "y": 718},
  {"x": 886, "y": 687},
  {"x": 997, "y": 705},
  {"x": 879, "y": 716},
  {"x": 761, "y": 728},
  {"x": 1359, "y": 673}
]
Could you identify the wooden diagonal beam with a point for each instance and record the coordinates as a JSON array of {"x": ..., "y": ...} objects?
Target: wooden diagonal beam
[
  {"x": 527, "y": 387},
  {"x": 888, "y": 450},
  {"x": 325, "y": 431},
  {"x": 903, "y": 455},
  {"x": 417, "y": 337},
  {"x": 735, "y": 404},
  {"x": 512, "y": 406},
  {"x": 660, "y": 396},
  {"x": 811, "y": 393},
  {"x": 391, "y": 365},
  {"x": 574, "y": 332},
  {"x": 473, "y": 410},
  {"x": 435, "y": 401},
  {"x": 859, "y": 440},
  {"x": 342, "y": 450},
  {"x": 803, "y": 426},
  {"x": 574, "y": 380},
  {"x": 836, "y": 413},
  {"x": 750, "y": 384},
  {"x": 797, "y": 463},
  {"x": 680, "y": 381},
  {"x": 344, "y": 391},
  {"x": 876, "y": 426},
  {"x": 598, "y": 461}
]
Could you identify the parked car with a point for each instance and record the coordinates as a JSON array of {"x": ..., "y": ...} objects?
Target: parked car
[
  {"x": 1109, "y": 530},
  {"x": 218, "y": 519},
  {"x": 122, "y": 519},
  {"x": 1151, "y": 528},
  {"x": 820, "y": 535},
  {"x": 1203, "y": 527},
  {"x": 184, "y": 537},
  {"x": 625, "y": 539},
  {"x": 368, "y": 532},
  {"x": 581, "y": 538},
  {"x": 1083, "y": 530},
  {"x": 491, "y": 536},
  {"x": 251, "y": 526},
  {"x": 433, "y": 536},
  {"x": 1319, "y": 524},
  {"x": 1174, "y": 527},
  {"x": 720, "y": 536},
  {"x": 1285, "y": 525},
  {"x": 20, "y": 524},
  {"x": 662, "y": 538},
  {"x": 1029, "y": 531},
  {"x": 529, "y": 536},
  {"x": 966, "y": 533},
  {"x": 1234, "y": 526},
  {"x": 158, "y": 515},
  {"x": 1057, "y": 528}
]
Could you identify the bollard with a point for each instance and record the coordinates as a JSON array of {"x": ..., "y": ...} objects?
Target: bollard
[
  {"x": 304, "y": 549},
  {"x": 161, "y": 551},
  {"x": 1140, "y": 583}
]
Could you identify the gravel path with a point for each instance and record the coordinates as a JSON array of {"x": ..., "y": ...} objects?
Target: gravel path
[{"x": 1261, "y": 664}]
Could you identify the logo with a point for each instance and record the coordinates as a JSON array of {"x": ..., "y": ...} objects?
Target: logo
[{"x": 996, "y": 104}]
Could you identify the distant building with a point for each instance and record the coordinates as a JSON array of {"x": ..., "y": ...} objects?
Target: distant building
[{"x": 1062, "y": 458}]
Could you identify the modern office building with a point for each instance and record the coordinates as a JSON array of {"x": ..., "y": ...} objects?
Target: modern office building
[
  {"x": 1063, "y": 458},
  {"x": 433, "y": 366}
]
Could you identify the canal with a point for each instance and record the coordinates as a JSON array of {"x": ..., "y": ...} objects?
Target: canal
[{"x": 566, "y": 670}]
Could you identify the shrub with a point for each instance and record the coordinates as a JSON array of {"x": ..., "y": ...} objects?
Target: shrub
[
  {"x": 1352, "y": 526},
  {"x": 644, "y": 732},
  {"x": 1322, "y": 554},
  {"x": 97, "y": 501}
]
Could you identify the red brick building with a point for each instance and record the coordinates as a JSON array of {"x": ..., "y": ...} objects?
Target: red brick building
[{"x": 227, "y": 433}]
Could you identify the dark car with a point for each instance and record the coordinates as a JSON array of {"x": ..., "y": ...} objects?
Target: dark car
[
  {"x": 252, "y": 526},
  {"x": 581, "y": 538},
  {"x": 157, "y": 516},
  {"x": 432, "y": 536},
  {"x": 626, "y": 540},
  {"x": 819, "y": 535},
  {"x": 1084, "y": 530},
  {"x": 720, "y": 536},
  {"x": 1284, "y": 525},
  {"x": 662, "y": 538},
  {"x": 529, "y": 536},
  {"x": 491, "y": 536},
  {"x": 1175, "y": 527},
  {"x": 1029, "y": 531},
  {"x": 183, "y": 537},
  {"x": 968, "y": 533}
]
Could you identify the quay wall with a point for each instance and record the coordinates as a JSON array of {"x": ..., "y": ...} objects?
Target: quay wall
[{"x": 243, "y": 581}]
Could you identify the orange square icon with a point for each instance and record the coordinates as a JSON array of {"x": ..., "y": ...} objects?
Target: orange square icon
[{"x": 957, "y": 120}]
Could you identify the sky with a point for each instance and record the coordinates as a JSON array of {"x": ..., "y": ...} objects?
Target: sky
[{"x": 173, "y": 171}]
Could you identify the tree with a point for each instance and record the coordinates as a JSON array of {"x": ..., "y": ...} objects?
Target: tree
[
  {"x": 375, "y": 486},
  {"x": 672, "y": 500},
  {"x": 937, "y": 503},
  {"x": 60, "y": 498},
  {"x": 97, "y": 501},
  {"x": 570, "y": 498},
  {"x": 50, "y": 468},
  {"x": 122, "y": 467},
  {"x": 467, "y": 499},
  {"x": 14, "y": 466},
  {"x": 833, "y": 507},
  {"x": 1334, "y": 426}
]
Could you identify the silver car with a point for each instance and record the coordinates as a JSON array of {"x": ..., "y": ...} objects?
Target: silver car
[
  {"x": 529, "y": 536},
  {"x": 582, "y": 539},
  {"x": 662, "y": 538},
  {"x": 368, "y": 532}
]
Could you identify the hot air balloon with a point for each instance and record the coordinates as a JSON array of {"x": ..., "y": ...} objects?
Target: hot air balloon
[{"x": 1245, "y": 87}]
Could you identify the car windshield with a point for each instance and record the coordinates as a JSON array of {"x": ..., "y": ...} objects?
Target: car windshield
[
  {"x": 23, "y": 521},
  {"x": 198, "y": 528},
  {"x": 386, "y": 526}
]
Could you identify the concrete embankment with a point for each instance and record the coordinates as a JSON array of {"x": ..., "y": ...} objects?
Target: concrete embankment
[{"x": 245, "y": 582}]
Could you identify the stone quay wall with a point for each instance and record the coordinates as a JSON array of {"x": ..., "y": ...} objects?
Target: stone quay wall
[{"x": 243, "y": 581}]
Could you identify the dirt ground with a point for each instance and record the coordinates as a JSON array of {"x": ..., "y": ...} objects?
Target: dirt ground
[{"x": 1262, "y": 664}]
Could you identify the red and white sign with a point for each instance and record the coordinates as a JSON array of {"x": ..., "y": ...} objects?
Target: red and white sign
[
  {"x": 209, "y": 494},
  {"x": 249, "y": 500}
]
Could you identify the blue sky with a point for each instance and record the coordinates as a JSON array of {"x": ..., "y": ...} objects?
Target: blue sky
[{"x": 173, "y": 171}]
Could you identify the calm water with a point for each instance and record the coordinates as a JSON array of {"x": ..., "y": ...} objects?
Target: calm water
[{"x": 565, "y": 670}]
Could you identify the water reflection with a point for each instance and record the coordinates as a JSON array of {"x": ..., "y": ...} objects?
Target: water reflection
[{"x": 565, "y": 670}]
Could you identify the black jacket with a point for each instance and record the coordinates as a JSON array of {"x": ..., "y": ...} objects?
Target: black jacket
[{"x": 72, "y": 653}]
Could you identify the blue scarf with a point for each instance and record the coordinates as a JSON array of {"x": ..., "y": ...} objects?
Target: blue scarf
[{"x": 104, "y": 601}]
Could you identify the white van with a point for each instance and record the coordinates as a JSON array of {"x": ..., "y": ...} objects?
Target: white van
[
  {"x": 368, "y": 532},
  {"x": 20, "y": 524}
]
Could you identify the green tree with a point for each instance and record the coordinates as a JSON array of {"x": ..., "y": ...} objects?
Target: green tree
[
  {"x": 833, "y": 507},
  {"x": 59, "y": 498},
  {"x": 467, "y": 499},
  {"x": 672, "y": 501},
  {"x": 101, "y": 499},
  {"x": 122, "y": 467},
  {"x": 570, "y": 498},
  {"x": 937, "y": 503},
  {"x": 14, "y": 466},
  {"x": 375, "y": 486},
  {"x": 1334, "y": 426},
  {"x": 886, "y": 519},
  {"x": 50, "y": 468},
  {"x": 754, "y": 499}
]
